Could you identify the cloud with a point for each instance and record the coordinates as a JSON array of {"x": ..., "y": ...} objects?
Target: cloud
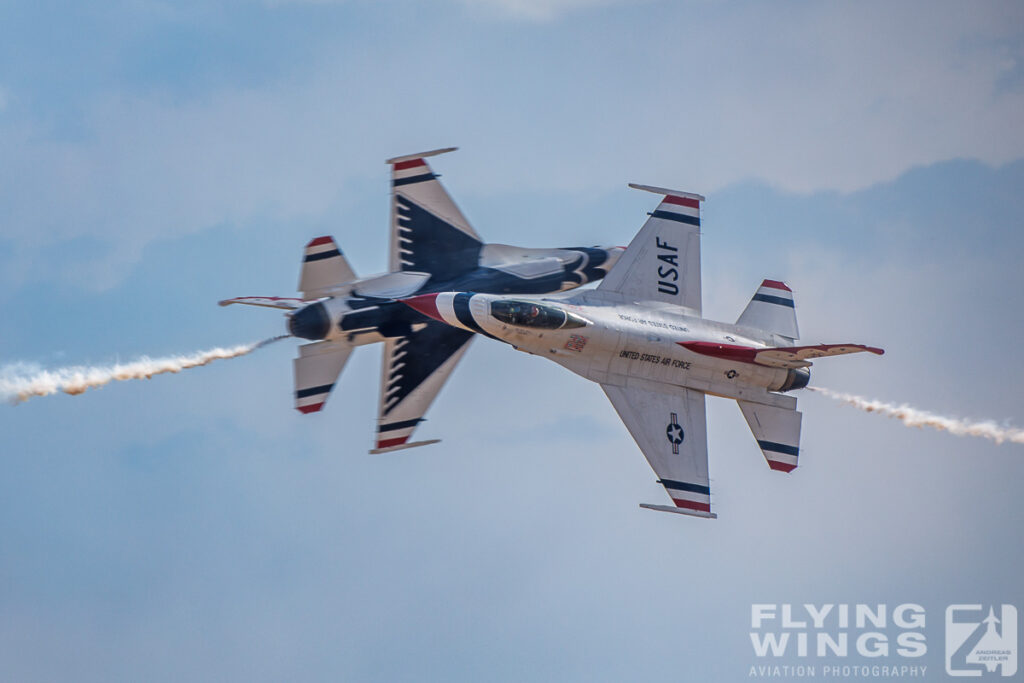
[
  {"x": 540, "y": 10},
  {"x": 804, "y": 97},
  {"x": 221, "y": 531},
  {"x": 522, "y": 10}
]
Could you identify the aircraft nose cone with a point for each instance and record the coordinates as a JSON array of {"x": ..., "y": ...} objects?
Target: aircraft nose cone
[
  {"x": 425, "y": 304},
  {"x": 311, "y": 322}
]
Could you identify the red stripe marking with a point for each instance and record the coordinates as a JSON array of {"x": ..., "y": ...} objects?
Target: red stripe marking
[
  {"x": 411, "y": 163},
  {"x": 775, "y": 284},
  {"x": 425, "y": 304},
  {"x": 681, "y": 201},
  {"x": 320, "y": 240},
  {"x": 742, "y": 354},
  {"x": 781, "y": 466},
  {"x": 690, "y": 505},
  {"x": 310, "y": 408},
  {"x": 387, "y": 443}
]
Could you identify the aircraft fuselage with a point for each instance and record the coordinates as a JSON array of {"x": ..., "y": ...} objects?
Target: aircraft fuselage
[
  {"x": 365, "y": 311},
  {"x": 612, "y": 342}
]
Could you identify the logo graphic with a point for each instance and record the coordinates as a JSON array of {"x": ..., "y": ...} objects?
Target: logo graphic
[
  {"x": 576, "y": 342},
  {"x": 981, "y": 641},
  {"x": 674, "y": 433}
]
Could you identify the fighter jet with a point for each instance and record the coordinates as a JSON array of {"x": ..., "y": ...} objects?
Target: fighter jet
[
  {"x": 641, "y": 336},
  {"x": 433, "y": 249}
]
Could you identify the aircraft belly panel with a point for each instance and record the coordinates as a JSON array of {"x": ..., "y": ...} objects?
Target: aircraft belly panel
[{"x": 599, "y": 353}]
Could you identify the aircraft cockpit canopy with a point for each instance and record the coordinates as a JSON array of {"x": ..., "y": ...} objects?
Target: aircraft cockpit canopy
[{"x": 532, "y": 314}]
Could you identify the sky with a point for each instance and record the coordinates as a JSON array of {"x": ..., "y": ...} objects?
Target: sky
[{"x": 158, "y": 157}]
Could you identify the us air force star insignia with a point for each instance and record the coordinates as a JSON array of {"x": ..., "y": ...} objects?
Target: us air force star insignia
[{"x": 674, "y": 433}]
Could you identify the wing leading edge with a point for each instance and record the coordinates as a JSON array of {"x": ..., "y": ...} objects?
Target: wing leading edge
[{"x": 671, "y": 430}]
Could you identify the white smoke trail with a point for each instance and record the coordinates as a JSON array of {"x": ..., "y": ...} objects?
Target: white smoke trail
[
  {"x": 16, "y": 385},
  {"x": 912, "y": 417}
]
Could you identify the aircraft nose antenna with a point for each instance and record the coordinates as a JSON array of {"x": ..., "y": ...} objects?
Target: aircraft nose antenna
[{"x": 311, "y": 322}]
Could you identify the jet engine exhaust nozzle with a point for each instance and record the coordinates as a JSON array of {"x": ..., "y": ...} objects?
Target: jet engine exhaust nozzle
[
  {"x": 311, "y": 322},
  {"x": 796, "y": 379}
]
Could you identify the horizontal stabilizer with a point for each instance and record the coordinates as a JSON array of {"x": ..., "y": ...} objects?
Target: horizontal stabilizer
[
  {"x": 287, "y": 303},
  {"x": 316, "y": 370},
  {"x": 324, "y": 267},
  {"x": 797, "y": 356},
  {"x": 403, "y": 446},
  {"x": 772, "y": 309},
  {"x": 679, "y": 511},
  {"x": 777, "y": 431},
  {"x": 791, "y": 357}
]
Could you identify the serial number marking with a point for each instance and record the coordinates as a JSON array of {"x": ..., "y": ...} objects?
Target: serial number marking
[{"x": 652, "y": 323}]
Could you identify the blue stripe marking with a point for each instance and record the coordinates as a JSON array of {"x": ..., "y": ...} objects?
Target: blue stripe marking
[
  {"x": 778, "y": 447},
  {"x": 769, "y": 299},
  {"x": 412, "y": 179},
  {"x": 313, "y": 391},
  {"x": 672, "y": 216},
  {"x": 685, "y": 486},
  {"x": 460, "y": 304},
  {"x": 392, "y": 426},
  {"x": 322, "y": 255}
]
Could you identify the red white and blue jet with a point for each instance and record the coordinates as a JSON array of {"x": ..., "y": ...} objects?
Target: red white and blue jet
[
  {"x": 641, "y": 335},
  {"x": 433, "y": 249}
]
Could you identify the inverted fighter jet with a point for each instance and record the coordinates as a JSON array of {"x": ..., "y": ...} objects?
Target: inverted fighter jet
[
  {"x": 433, "y": 249},
  {"x": 640, "y": 335}
]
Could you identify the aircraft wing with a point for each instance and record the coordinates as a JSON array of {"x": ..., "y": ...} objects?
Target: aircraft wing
[
  {"x": 415, "y": 368},
  {"x": 428, "y": 232},
  {"x": 662, "y": 263},
  {"x": 671, "y": 431},
  {"x": 284, "y": 302}
]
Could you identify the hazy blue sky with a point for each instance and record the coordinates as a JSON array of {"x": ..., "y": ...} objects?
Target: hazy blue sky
[{"x": 157, "y": 157}]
